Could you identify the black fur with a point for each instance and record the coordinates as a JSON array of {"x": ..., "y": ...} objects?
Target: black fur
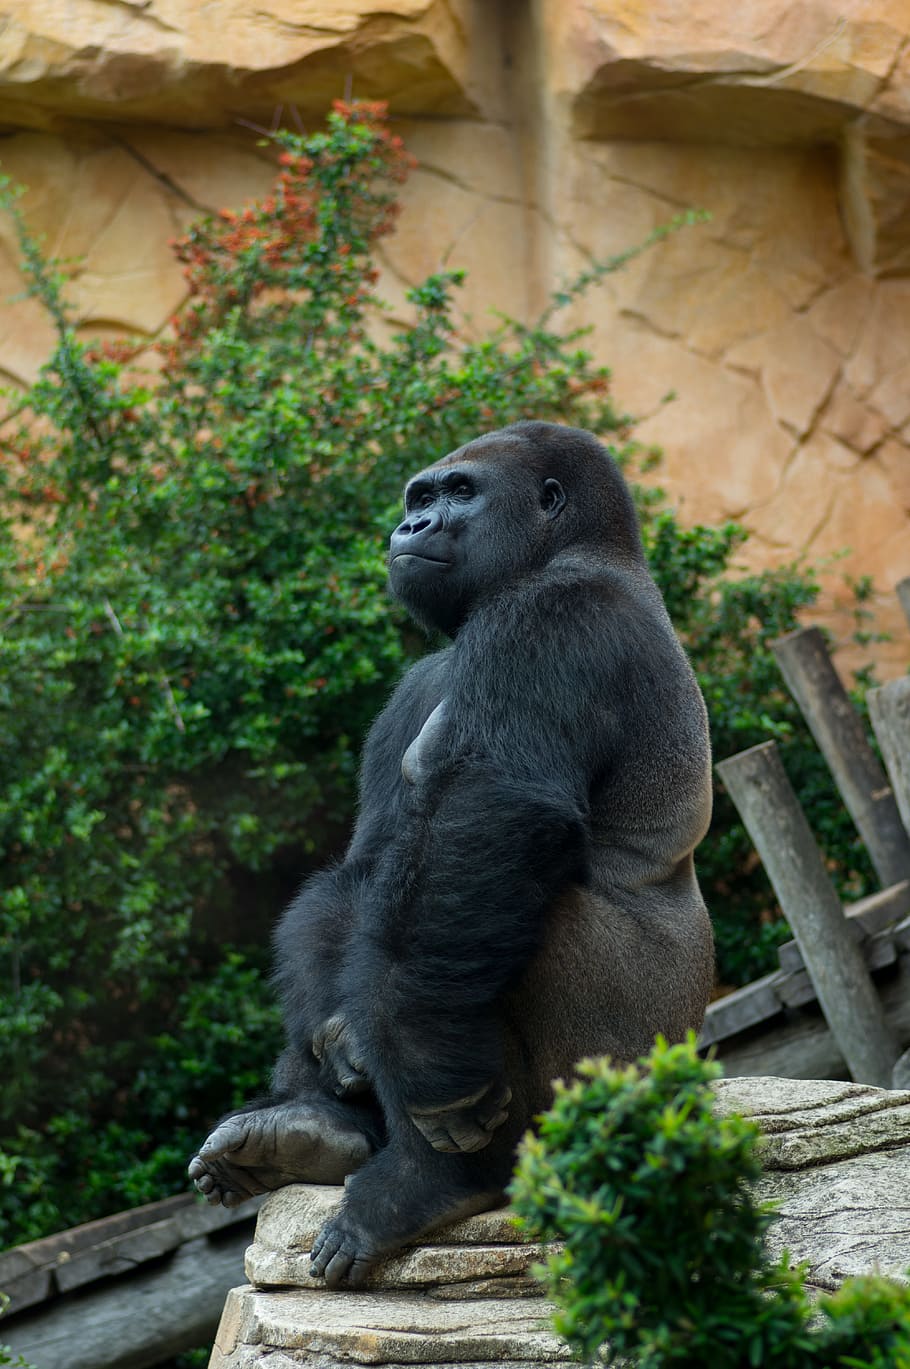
[{"x": 520, "y": 892}]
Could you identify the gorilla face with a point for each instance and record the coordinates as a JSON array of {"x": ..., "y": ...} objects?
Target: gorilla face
[{"x": 470, "y": 526}]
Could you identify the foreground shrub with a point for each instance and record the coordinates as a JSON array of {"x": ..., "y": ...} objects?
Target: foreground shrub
[
  {"x": 196, "y": 635},
  {"x": 664, "y": 1256}
]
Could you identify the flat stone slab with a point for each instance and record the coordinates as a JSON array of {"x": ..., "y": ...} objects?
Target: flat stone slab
[
  {"x": 837, "y": 1160},
  {"x": 291, "y": 1218},
  {"x": 852, "y": 1217},
  {"x": 478, "y": 1251},
  {"x": 813, "y": 1121},
  {"x": 328, "y": 1329}
]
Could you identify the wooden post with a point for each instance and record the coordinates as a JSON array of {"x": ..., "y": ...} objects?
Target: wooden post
[
  {"x": 836, "y": 726},
  {"x": 889, "y": 708},
  {"x": 903, "y": 594},
  {"x": 758, "y": 785}
]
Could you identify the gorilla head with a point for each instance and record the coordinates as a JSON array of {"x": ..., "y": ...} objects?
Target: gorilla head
[{"x": 500, "y": 507}]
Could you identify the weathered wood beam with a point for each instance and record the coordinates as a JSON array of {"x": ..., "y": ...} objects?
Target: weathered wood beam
[
  {"x": 769, "y": 808},
  {"x": 837, "y": 728},
  {"x": 43, "y": 1269},
  {"x": 799, "y": 1044},
  {"x": 889, "y": 708},
  {"x": 136, "y": 1320},
  {"x": 866, "y": 918}
]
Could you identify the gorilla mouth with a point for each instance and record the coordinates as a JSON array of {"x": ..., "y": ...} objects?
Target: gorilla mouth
[{"x": 416, "y": 556}]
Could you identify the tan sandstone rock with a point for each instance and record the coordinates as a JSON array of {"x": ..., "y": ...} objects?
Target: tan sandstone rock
[
  {"x": 182, "y": 62},
  {"x": 549, "y": 138}
]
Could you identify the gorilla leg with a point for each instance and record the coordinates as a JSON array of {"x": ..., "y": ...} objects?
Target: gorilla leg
[
  {"x": 408, "y": 1187},
  {"x": 311, "y": 1127},
  {"x": 298, "y": 1135},
  {"x": 405, "y": 1189}
]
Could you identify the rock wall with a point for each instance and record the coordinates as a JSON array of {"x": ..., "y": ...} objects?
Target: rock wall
[{"x": 549, "y": 134}]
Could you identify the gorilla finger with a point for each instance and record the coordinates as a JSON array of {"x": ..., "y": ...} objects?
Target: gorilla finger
[
  {"x": 493, "y": 1105},
  {"x": 320, "y": 1255},
  {"x": 204, "y": 1182},
  {"x": 338, "y": 1267},
  {"x": 493, "y": 1122},
  {"x": 350, "y": 1083},
  {"x": 359, "y": 1273},
  {"x": 468, "y": 1139}
]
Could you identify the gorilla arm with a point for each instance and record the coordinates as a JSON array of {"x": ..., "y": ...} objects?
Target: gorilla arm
[
  {"x": 495, "y": 829},
  {"x": 314, "y": 937}
]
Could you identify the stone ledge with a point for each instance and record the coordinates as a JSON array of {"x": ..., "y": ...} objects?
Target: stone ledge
[
  {"x": 325, "y": 1329},
  {"x": 837, "y": 1163},
  {"x": 481, "y": 1257},
  {"x": 156, "y": 61}
]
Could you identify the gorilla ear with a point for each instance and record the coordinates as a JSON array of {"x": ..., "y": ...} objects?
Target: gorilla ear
[{"x": 552, "y": 498}]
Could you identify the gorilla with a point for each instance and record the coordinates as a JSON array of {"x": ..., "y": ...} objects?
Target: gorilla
[{"x": 519, "y": 890}]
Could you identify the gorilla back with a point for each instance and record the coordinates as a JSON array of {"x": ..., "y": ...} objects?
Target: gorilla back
[{"x": 519, "y": 890}]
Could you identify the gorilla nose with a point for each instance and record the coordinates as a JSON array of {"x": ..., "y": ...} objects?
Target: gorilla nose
[
  {"x": 414, "y": 531},
  {"x": 420, "y": 522}
]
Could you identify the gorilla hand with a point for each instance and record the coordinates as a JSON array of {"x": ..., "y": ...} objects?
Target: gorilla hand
[
  {"x": 335, "y": 1049},
  {"x": 468, "y": 1123}
]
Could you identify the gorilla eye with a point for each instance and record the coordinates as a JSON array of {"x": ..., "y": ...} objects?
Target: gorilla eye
[{"x": 463, "y": 491}]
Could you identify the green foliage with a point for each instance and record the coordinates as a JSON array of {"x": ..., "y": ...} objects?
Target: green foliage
[
  {"x": 194, "y": 637},
  {"x": 192, "y": 1359},
  {"x": 121, "y": 1146},
  {"x": 6, "y": 1354},
  {"x": 664, "y": 1256}
]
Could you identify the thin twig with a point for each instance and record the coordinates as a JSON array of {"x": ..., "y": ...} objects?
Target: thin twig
[
  {"x": 165, "y": 682},
  {"x": 112, "y": 617}
]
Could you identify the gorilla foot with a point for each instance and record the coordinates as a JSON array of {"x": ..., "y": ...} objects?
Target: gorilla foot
[
  {"x": 344, "y": 1252},
  {"x": 390, "y": 1203},
  {"x": 291, "y": 1143}
]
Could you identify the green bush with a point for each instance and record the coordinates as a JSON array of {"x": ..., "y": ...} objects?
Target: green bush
[
  {"x": 664, "y": 1256},
  {"x": 194, "y": 637}
]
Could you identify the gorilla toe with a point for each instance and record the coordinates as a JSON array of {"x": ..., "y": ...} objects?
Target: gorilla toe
[{"x": 343, "y": 1254}]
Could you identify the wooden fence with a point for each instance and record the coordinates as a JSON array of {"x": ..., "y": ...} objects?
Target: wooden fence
[{"x": 836, "y": 949}]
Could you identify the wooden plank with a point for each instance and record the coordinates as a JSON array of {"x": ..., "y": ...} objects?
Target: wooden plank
[
  {"x": 879, "y": 910},
  {"x": 759, "y": 1003},
  {"x": 889, "y": 708},
  {"x": 139, "y": 1319},
  {"x": 761, "y": 791},
  {"x": 836, "y": 726},
  {"x": 738, "y": 1011},
  {"x": 27, "y": 1272},
  {"x": 901, "y": 934},
  {"x": 799, "y": 1044},
  {"x": 32, "y": 1273},
  {"x": 866, "y": 918},
  {"x": 797, "y": 989},
  {"x": 125, "y": 1252}
]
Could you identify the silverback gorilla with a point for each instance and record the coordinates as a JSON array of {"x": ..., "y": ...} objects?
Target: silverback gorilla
[{"x": 519, "y": 890}]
